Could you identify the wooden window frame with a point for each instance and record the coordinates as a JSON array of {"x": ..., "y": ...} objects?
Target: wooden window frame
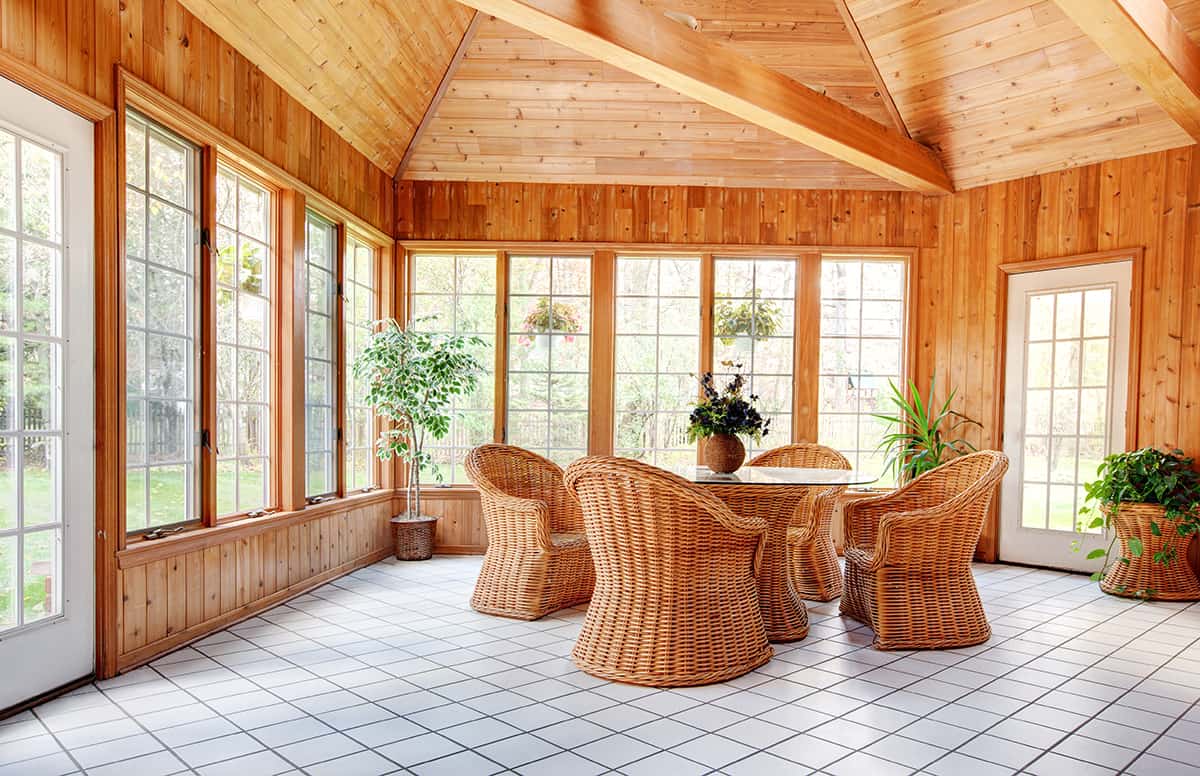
[
  {"x": 601, "y": 409},
  {"x": 290, "y": 199},
  {"x": 382, "y": 275}
]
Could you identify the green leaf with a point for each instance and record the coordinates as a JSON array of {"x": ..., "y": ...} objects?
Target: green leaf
[
  {"x": 1135, "y": 547},
  {"x": 1096, "y": 554}
]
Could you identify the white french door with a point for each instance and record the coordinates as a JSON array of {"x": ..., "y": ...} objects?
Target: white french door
[
  {"x": 47, "y": 603},
  {"x": 1066, "y": 381}
]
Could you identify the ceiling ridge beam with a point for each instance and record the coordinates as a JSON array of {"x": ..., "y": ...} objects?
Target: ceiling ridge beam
[
  {"x": 860, "y": 43},
  {"x": 1149, "y": 43},
  {"x": 634, "y": 37},
  {"x": 460, "y": 53}
]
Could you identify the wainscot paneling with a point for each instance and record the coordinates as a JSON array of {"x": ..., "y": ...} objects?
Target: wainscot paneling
[
  {"x": 187, "y": 586},
  {"x": 1150, "y": 201},
  {"x": 78, "y": 42}
]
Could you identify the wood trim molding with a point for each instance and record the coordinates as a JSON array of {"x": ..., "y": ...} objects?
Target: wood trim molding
[
  {"x": 156, "y": 105},
  {"x": 52, "y": 89},
  {"x": 1150, "y": 44},
  {"x": 144, "y": 552},
  {"x": 806, "y": 349},
  {"x": 601, "y": 396},
  {"x": 435, "y": 102},
  {"x": 641, "y": 40},
  {"x": 687, "y": 249},
  {"x": 860, "y": 43},
  {"x": 1083, "y": 259},
  {"x": 292, "y": 298}
]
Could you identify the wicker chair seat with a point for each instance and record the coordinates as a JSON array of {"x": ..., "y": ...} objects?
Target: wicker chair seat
[
  {"x": 537, "y": 560},
  {"x": 676, "y": 599},
  {"x": 908, "y": 556},
  {"x": 812, "y": 557}
]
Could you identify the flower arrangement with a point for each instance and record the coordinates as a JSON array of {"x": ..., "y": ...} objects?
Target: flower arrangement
[
  {"x": 546, "y": 318},
  {"x": 726, "y": 411}
]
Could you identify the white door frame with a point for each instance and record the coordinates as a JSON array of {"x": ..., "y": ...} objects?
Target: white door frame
[
  {"x": 61, "y": 648},
  {"x": 1121, "y": 268}
]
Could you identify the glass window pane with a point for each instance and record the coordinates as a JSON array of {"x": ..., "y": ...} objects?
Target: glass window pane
[
  {"x": 459, "y": 291},
  {"x": 244, "y": 343},
  {"x": 360, "y": 310},
  {"x": 161, "y": 267},
  {"x": 862, "y": 347}
]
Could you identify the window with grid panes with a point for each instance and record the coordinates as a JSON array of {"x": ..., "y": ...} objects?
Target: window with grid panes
[
  {"x": 548, "y": 355},
  {"x": 161, "y": 314},
  {"x": 457, "y": 295},
  {"x": 320, "y": 351},
  {"x": 754, "y": 302},
  {"x": 657, "y": 356},
  {"x": 245, "y": 277},
  {"x": 360, "y": 311},
  {"x": 862, "y": 349}
]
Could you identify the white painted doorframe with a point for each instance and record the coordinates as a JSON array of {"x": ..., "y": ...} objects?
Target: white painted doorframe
[
  {"x": 1060, "y": 324},
  {"x": 49, "y": 637}
]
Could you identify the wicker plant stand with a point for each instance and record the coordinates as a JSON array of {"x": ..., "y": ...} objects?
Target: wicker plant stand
[
  {"x": 414, "y": 536},
  {"x": 1142, "y": 577}
]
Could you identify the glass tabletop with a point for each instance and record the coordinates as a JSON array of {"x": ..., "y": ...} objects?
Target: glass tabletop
[{"x": 776, "y": 475}]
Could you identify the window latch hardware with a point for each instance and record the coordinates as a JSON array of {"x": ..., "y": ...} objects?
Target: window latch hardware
[
  {"x": 261, "y": 512},
  {"x": 161, "y": 533},
  {"x": 318, "y": 499}
]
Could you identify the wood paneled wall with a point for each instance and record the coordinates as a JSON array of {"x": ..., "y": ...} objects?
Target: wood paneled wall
[
  {"x": 169, "y": 598},
  {"x": 78, "y": 42},
  {"x": 1152, "y": 200}
]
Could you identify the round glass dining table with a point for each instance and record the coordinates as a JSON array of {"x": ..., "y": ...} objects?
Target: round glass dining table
[{"x": 774, "y": 493}]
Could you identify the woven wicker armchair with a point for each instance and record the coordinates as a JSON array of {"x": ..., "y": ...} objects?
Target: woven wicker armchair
[
  {"x": 812, "y": 558},
  {"x": 676, "y": 599},
  {"x": 537, "y": 559},
  {"x": 908, "y": 556}
]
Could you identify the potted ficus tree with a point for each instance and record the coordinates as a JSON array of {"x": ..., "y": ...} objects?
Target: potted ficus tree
[
  {"x": 721, "y": 416},
  {"x": 412, "y": 377},
  {"x": 1152, "y": 500},
  {"x": 922, "y": 434}
]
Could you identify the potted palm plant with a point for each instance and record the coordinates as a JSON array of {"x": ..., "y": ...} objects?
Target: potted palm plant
[
  {"x": 721, "y": 417},
  {"x": 1152, "y": 499},
  {"x": 412, "y": 377},
  {"x": 920, "y": 436}
]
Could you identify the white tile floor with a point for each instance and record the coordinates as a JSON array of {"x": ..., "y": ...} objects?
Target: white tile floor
[{"x": 389, "y": 671}]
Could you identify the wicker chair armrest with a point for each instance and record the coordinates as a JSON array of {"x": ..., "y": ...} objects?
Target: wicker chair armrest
[
  {"x": 521, "y": 521},
  {"x": 861, "y": 518},
  {"x": 906, "y": 538}
]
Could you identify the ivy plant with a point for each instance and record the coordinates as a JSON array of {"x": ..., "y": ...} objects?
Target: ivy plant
[
  {"x": 412, "y": 377},
  {"x": 920, "y": 432},
  {"x": 1146, "y": 476},
  {"x": 759, "y": 318}
]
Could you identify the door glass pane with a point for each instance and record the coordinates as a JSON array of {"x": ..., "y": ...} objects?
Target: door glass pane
[
  {"x": 360, "y": 307},
  {"x": 458, "y": 296},
  {"x": 753, "y": 325},
  {"x": 1067, "y": 393},
  {"x": 31, "y": 380},
  {"x": 550, "y": 315},
  {"x": 657, "y": 354},
  {"x": 244, "y": 354},
  {"x": 320, "y": 433},
  {"x": 862, "y": 345}
]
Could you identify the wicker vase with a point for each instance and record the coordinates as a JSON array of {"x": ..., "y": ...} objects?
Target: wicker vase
[
  {"x": 414, "y": 536},
  {"x": 724, "y": 453},
  {"x": 1142, "y": 577}
]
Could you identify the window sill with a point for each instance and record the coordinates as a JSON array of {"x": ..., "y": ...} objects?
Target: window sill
[
  {"x": 445, "y": 493},
  {"x": 141, "y": 552}
]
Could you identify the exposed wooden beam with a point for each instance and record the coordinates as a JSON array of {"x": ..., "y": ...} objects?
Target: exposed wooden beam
[
  {"x": 861, "y": 44},
  {"x": 439, "y": 95},
  {"x": 1150, "y": 44},
  {"x": 642, "y": 41}
]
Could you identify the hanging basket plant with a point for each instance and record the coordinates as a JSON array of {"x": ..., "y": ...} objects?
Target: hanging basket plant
[
  {"x": 545, "y": 318},
  {"x": 753, "y": 317}
]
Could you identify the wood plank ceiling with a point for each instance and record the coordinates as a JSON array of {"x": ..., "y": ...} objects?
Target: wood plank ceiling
[
  {"x": 367, "y": 69},
  {"x": 1008, "y": 88},
  {"x": 1001, "y": 89},
  {"x": 522, "y": 108}
]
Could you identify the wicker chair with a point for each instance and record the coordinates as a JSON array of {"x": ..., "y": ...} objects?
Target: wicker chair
[
  {"x": 908, "y": 556},
  {"x": 676, "y": 598},
  {"x": 812, "y": 558},
  {"x": 537, "y": 559}
]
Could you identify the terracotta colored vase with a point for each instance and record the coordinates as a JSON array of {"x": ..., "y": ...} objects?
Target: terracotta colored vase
[{"x": 724, "y": 453}]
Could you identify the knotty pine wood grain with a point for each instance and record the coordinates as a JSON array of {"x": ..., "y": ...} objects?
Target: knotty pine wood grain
[{"x": 79, "y": 42}]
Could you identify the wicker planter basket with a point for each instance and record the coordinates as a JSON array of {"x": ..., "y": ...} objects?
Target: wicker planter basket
[
  {"x": 1174, "y": 581},
  {"x": 414, "y": 537},
  {"x": 724, "y": 453}
]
